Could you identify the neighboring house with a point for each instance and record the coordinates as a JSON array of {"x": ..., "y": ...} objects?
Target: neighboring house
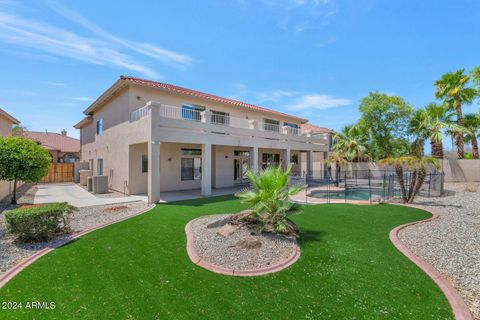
[
  {"x": 62, "y": 148},
  {"x": 151, "y": 137},
  {"x": 6, "y": 123}
]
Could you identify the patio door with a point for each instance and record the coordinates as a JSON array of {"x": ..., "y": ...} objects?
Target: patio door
[{"x": 240, "y": 167}]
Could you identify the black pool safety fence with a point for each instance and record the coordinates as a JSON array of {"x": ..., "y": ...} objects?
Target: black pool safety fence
[{"x": 365, "y": 186}]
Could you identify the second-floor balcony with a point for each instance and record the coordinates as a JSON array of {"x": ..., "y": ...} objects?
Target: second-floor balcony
[{"x": 216, "y": 118}]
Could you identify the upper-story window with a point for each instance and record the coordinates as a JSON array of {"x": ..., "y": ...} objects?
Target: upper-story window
[
  {"x": 100, "y": 126},
  {"x": 271, "y": 125},
  {"x": 292, "y": 127},
  {"x": 219, "y": 117},
  {"x": 192, "y": 112}
]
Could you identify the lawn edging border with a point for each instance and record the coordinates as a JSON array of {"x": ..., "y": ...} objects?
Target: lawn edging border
[
  {"x": 16, "y": 269},
  {"x": 197, "y": 260},
  {"x": 458, "y": 305}
]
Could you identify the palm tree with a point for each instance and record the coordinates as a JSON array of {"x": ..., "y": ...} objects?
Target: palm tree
[
  {"x": 472, "y": 124},
  {"x": 268, "y": 198},
  {"x": 417, "y": 166},
  {"x": 430, "y": 123},
  {"x": 348, "y": 143},
  {"x": 339, "y": 160},
  {"x": 454, "y": 89}
]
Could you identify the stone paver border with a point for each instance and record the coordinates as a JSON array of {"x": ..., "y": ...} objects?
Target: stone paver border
[
  {"x": 13, "y": 271},
  {"x": 459, "y": 308},
  {"x": 196, "y": 259}
]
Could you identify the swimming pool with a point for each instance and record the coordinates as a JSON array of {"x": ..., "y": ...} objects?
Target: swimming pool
[{"x": 351, "y": 194}]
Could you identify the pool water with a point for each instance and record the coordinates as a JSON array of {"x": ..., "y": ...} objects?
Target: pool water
[{"x": 351, "y": 194}]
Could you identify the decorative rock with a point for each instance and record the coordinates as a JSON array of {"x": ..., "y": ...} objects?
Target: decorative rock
[
  {"x": 471, "y": 187},
  {"x": 249, "y": 243},
  {"x": 227, "y": 230}
]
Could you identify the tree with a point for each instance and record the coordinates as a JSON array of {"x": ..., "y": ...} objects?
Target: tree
[
  {"x": 19, "y": 131},
  {"x": 339, "y": 160},
  {"x": 268, "y": 198},
  {"x": 22, "y": 160},
  {"x": 472, "y": 125},
  {"x": 385, "y": 119},
  {"x": 454, "y": 88},
  {"x": 430, "y": 123},
  {"x": 418, "y": 167},
  {"x": 349, "y": 142}
]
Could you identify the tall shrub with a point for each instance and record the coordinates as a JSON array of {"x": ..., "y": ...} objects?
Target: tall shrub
[{"x": 24, "y": 160}]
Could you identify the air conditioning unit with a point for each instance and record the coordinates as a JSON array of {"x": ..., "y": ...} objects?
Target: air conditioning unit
[{"x": 99, "y": 184}]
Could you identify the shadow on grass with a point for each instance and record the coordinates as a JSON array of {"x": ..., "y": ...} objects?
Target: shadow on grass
[
  {"x": 307, "y": 236},
  {"x": 200, "y": 201}
]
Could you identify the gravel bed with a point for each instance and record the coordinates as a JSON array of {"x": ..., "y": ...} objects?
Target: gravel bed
[
  {"x": 452, "y": 243},
  {"x": 223, "y": 251},
  {"x": 12, "y": 252}
]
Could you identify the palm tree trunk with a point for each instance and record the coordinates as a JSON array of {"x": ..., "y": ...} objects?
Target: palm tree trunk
[
  {"x": 401, "y": 181},
  {"x": 460, "y": 143},
  {"x": 422, "y": 173},
  {"x": 413, "y": 183},
  {"x": 437, "y": 149},
  {"x": 475, "y": 147}
]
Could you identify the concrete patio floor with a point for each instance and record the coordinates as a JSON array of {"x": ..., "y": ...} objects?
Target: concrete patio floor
[
  {"x": 77, "y": 196},
  {"x": 171, "y": 196}
]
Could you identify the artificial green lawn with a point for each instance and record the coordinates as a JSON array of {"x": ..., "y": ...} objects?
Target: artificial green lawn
[{"x": 139, "y": 269}]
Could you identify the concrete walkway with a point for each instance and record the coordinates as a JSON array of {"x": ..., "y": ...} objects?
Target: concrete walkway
[{"x": 77, "y": 196}]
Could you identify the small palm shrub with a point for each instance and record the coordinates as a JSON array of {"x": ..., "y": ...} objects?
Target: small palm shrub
[
  {"x": 39, "y": 223},
  {"x": 268, "y": 199}
]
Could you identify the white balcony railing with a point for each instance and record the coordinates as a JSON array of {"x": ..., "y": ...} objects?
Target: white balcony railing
[
  {"x": 139, "y": 114},
  {"x": 230, "y": 121},
  {"x": 192, "y": 114},
  {"x": 271, "y": 127}
]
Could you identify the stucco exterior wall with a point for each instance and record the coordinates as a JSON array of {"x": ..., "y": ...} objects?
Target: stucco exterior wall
[
  {"x": 123, "y": 142},
  {"x": 5, "y": 126}
]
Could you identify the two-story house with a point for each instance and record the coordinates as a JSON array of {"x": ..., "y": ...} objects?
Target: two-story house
[{"x": 151, "y": 137}]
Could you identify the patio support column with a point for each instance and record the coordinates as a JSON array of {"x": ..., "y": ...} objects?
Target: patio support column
[
  {"x": 153, "y": 158},
  {"x": 286, "y": 159},
  {"x": 206, "y": 169},
  {"x": 309, "y": 163},
  {"x": 254, "y": 159}
]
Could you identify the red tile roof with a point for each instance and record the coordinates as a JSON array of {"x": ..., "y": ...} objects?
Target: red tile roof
[
  {"x": 55, "y": 141},
  {"x": 314, "y": 128},
  {"x": 203, "y": 95}
]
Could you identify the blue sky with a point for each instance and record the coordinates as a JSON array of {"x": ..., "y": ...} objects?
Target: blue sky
[{"x": 310, "y": 58}]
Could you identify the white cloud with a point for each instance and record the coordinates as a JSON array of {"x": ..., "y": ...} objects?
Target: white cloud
[
  {"x": 276, "y": 95},
  {"x": 318, "y": 102},
  {"x": 240, "y": 91},
  {"x": 56, "y": 84},
  {"x": 146, "y": 49},
  {"x": 101, "y": 49},
  {"x": 83, "y": 99}
]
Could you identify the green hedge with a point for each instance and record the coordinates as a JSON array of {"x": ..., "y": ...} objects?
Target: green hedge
[{"x": 39, "y": 223}]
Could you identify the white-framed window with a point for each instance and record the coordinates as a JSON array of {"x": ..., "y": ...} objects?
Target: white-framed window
[
  {"x": 270, "y": 159},
  {"x": 100, "y": 126},
  {"x": 292, "y": 127},
  {"x": 220, "y": 117},
  {"x": 191, "y": 164},
  {"x": 192, "y": 112},
  {"x": 271, "y": 125}
]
